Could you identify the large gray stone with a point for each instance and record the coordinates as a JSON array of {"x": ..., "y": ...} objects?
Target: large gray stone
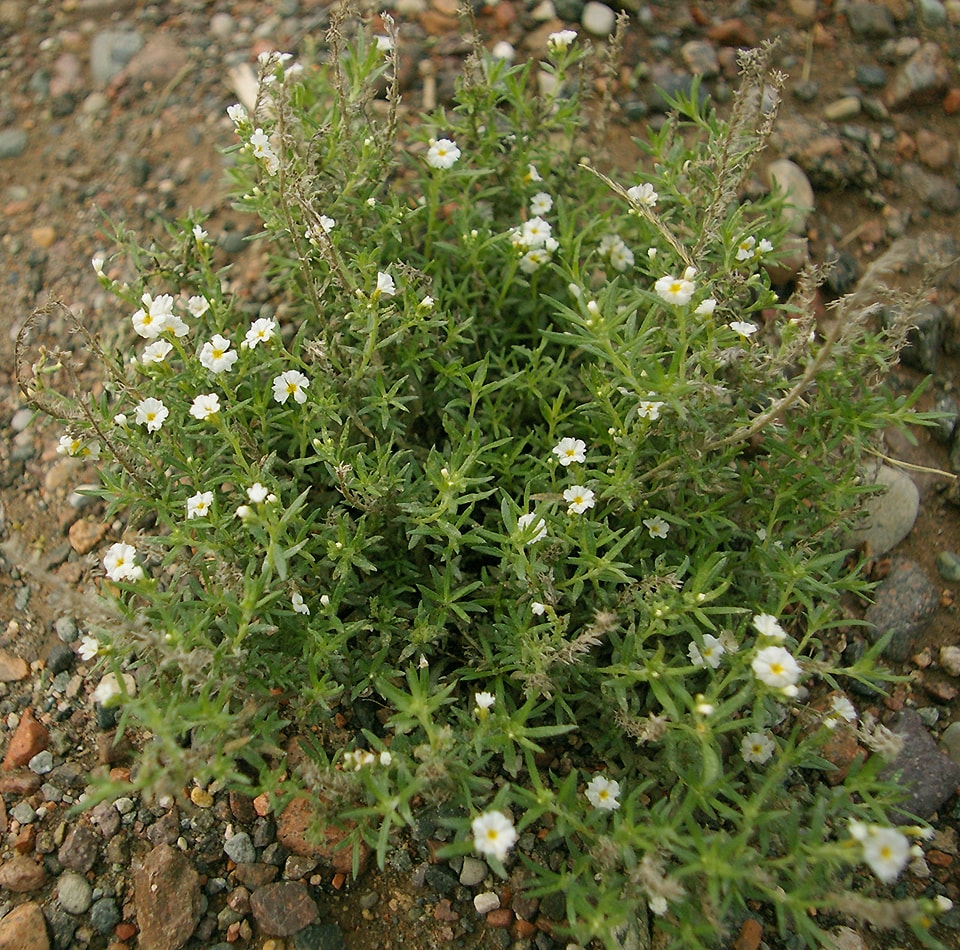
[{"x": 888, "y": 517}]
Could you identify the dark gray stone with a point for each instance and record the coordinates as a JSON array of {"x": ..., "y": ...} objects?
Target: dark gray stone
[
  {"x": 110, "y": 51},
  {"x": 60, "y": 658},
  {"x": 105, "y": 915},
  {"x": 936, "y": 191},
  {"x": 283, "y": 909},
  {"x": 871, "y": 20},
  {"x": 79, "y": 849},
  {"x": 902, "y": 605},
  {"x": 13, "y": 143},
  {"x": 927, "y": 776},
  {"x": 319, "y": 937},
  {"x": 240, "y": 849}
]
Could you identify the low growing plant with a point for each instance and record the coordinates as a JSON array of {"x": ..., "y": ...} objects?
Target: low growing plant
[{"x": 528, "y": 474}]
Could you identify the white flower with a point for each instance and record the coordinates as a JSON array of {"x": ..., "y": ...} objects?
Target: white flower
[
  {"x": 199, "y": 234},
  {"x": 885, "y": 850},
  {"x": 78, "y": 448},
  {"x": 538, "y": 609},
  {"x": 657, "y": 527},
  {"x": 560, "y": 40},
  {"x": 384, "y": 43},
  {"x": 504, "y": 50},
  {"x": 151, "y": 413},
  {"x": 649, "y": 409},
  {"x": 535, "y": 233},
  {"x": 205, "y": 406},
  {"x": 217, "y": 356},
  {"x": 703, "y": 708},
  {"x": 385, "y": 285},
  {"x": 119, "y": 563},
  {"x": 675, "y": 290},
  {"x": 442, "y": 153},
  {"x": 540, "y": 203},
  {"x": 156, "y": 352},
  {"x": 842, "y": 708},
  {"x": 261, "y": 331},
  {"x": 768, "y": 626},
  {"x": 243, "y": 512},
  {"x": 484, "y": 700},
  {"x": 775, "y": 667},
  {"x": 97, "y": 264},
  {"x": 156, "y": 316},
  {"x": 657, "y": 905},
  {"x": 327, "y": 223},
  {"x": 706, "y": 307},
  {"x": 579, "y": 499},
  {"x": 291, "y": 383},
  {"x": 707, "y": 655},
  {"x": 89, "y": 648},
  {"x": 296, "y": 600},
  {"x": 621, "y": 257},
  {"x": 570, "y": 450},
  {"x": 765, "y": 246},
  {"x": 260, "y": 146},
  {"x": 746, "y": 249},
  {"x": 643, "y": 195},
  {"x": 198, "y": 305},
  {"x": 539, "y": 530},
  {"x": 199, "y": 505},
  {"x": 532, "y": 174},
  {"x": 427, "y": 303},
  {"x": 533, "y": 260},
  {"x": 602, "y": 793},
  {"x": 757, "y": 747},
  {"x": 238, "y": 115},
  {"x": 385, "y": 758},
  {"x": 493, "y": 834},
  {"x": 258, "y": 493},
  {"x": 744, "y": 328}
]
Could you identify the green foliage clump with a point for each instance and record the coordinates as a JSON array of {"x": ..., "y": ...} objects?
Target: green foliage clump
[{"x": 537, "y": 464}]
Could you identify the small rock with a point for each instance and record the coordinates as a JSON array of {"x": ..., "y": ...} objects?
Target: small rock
[
  {"x": 283, "y": 909},
  {"x": 842, "y": 109},
  {"x": 110, "y": 51},
  {"x": 24, "y": 813},
  {"x": 12, "y": 668},
  {"x": 846, "y": 939},
  {"x": 24, "y": 928},
  {"x": 927, "y": 775},
  {"x": 890, "y": 516},
  {"x": 43, "y": 236},
  {"x": 104, "y": 915},
  {"x": 60, "y": 658},
  {"x": 950, "y": 740},
  {"x": 791, "y": 180},
  {"x": 473, "y": 871},
  {"x": 902, "y": 605},
  {"x": 66, "y": 629},
  {"x": 74, "y": 893},
  {"x": 256, "y": 874},
  {"x": 79, "y": 849},
  {"x": 168, "y": 899},
  {"x": 950, "y": 660},
  {"x": 871, "y": 20},
  {"x": 85, "y": 534},
  {"x": 922, "y": 79},
  {"x": 41, "y": 763},
  {"x": 22, "y": 874},
  {"x": 240, "y": 849},
  {"x": 925, "y": 338},
  {"x": 948, "y": 566},
  {"x": 700, "y": 58},
  {"x": 13, "y": 142},
  {"x": 298, "y": 832},
  {"x": 320, "y": 937},
  {"x": 932, "y": 12},
  {"x": 486, "y": 902},
  {"x": 29, "y": 738},
  {"x": 937, "y": 191},
  {"x": 598, "y": 19}
]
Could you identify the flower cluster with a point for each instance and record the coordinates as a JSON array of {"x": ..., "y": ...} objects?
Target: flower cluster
[{"x": 535, "y": 244}]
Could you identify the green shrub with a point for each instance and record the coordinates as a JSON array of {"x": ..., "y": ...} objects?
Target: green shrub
[{"x": 535, "y": 462}]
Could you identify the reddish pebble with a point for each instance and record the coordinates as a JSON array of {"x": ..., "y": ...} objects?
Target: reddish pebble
[
  {"x": 750, "y": 934},
  {"x": 261, "y": 805},
  {"x": 523, "y": 929},
  {"x": 951, "y": 102},
  {"x": 443, "y": 911},
  {"x": 29, "y": 739},
  {"x": 338, "y": 880},
  {"x": 939, "y": 859},
  {"x": 501, "y": 917},
  {"x": 125, "y": 931}
]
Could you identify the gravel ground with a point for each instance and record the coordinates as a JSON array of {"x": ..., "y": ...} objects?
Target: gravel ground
[{"x": 112, "y": 113}]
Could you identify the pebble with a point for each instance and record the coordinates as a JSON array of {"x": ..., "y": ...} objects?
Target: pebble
[
  {"x": 473, "y": 871},
  {"x": 927, "y": 776},
  {"x": 168, "y": 899},
  {"x": 902, "y": 605},
  {"x": 22, "y": 874},
  {"x": 79, "y": 849},
  {"x": 937, "y": 191},
  {"x": 925, "y": 338},
  {"x": 486, "y": 902},
  {"x": 240, "y": 849},
  {"x": 841, "y": 109},
  {"x": 12, "y": 668},
  {"x": 60, "y": 658},
  {"x": 890, "y": 516},
  {"x": 74, "y": 893},
  {"x": 922, "y": 79},
  {"x": 105, "y": 915},
  {"x": 950, "y": 741},
  {"x": 29, "y": 738},
  {"x": 320, "y": 937},
  {"x": 950, "y": 659},
  {"x": 284, "y": 908},
  {"x": 25, "y": 928},
  {"x": 41, "y": 763},
  {"x": 66, "y": 629},
  {"x": 13, "y": 142},
  {"x": 23, "y": 812},
  {"x": 792, "y": 181},
  {"x": 598, "y": 19},
  {"x": 870, "y": 20},
  {"x": 110, "y": 51},
  {"x": 932, "y": 12}
]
